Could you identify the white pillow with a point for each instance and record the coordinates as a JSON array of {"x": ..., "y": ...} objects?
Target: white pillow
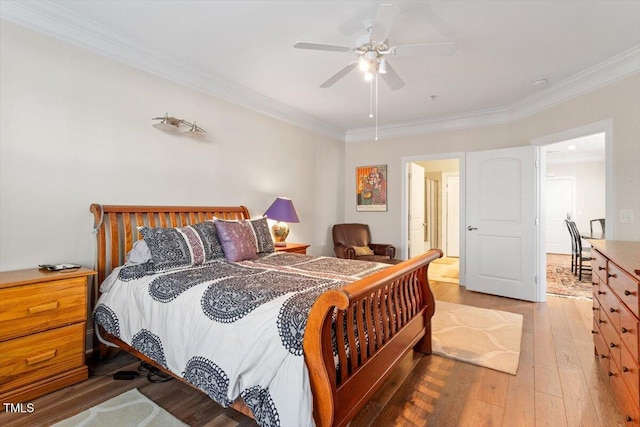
[{"x": 139, "y": 253}]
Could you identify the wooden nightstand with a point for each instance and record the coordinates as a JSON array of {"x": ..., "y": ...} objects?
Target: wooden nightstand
[
  {"x": 42, "y": 332},
  {"x": 296, "y": 248}
]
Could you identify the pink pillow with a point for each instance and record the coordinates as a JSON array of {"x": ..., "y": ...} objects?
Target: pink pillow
[{"x": 238, "y": 243}]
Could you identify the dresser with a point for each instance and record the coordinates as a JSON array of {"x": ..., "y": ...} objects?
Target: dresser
[
  {"x": 42, "y": 332},
  {"x": 296, "y": 248},
  {"x": 616, "y": 313}
]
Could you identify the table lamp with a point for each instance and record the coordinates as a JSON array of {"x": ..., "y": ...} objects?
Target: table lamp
[{"x": 282, "y": 211}]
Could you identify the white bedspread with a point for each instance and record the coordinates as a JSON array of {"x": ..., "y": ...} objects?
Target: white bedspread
[{"x": 230, "y": 329}]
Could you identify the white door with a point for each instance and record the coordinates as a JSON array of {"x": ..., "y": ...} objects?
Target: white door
[
  {"x": 559, "y": 202},
  {"x": 501, "y": 204},
  {"x": 452, "y": 217},
  {"x": 416, "y": 209}
]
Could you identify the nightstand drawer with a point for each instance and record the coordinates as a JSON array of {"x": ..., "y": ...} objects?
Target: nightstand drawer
[
  {"x": 38, "y": 307},
  {"x": 28, "y": 359}
]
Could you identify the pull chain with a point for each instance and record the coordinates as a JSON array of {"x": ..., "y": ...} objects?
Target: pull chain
[{"x": 376, "y": 106}]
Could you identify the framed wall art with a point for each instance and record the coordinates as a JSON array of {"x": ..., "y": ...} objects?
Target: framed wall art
[{"x": 371, "y": 188}]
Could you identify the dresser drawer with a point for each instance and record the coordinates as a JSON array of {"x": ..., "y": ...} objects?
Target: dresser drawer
[
  {"x": 629, "y": 372},
  {"x": 629, "y": 330},
  {"x": 34, "y": 357},
  {"x": 625, "y": 286},
  {"x": 598, "y": 264},
  {"x": 628, "y": 405},
  {"x": 601, "y": 349},
  {"x": 38, "y": 307},
  {"x": 611, "y": 339},
  {"x": 610, "y": 306}
]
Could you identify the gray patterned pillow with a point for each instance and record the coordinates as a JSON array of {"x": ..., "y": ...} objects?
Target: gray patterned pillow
[
  {"x": 260, "y": 228},
  {"x": 183, "y": 246},
  {"x": 238, "y": 242}
]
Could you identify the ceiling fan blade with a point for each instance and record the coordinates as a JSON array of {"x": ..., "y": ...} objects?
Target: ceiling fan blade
[
  {"x": 431, "y": 49},
  {"x": 317, "y": 46},
  {"x": 392, "y": 79},
  {"x": 387, "y": 14},
  {"x": 340, "y": 74}
]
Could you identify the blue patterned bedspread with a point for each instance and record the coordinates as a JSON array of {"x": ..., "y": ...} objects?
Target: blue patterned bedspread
[{"x": 231, "y": 329}]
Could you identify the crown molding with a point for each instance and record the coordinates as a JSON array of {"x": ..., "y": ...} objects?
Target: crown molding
[{"x": 60, "y": 23}]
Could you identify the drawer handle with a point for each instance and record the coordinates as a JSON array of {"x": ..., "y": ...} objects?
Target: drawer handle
[
  {"x": 612, "y": 275},
  {"x": 612, "y": 345},
  {"x": 603, "y": 356},
  {"x": 625, "y": 369},
  {"x": 627, "y": 293},
  {"x": 601, "y": 268},
  {"x": 624, "y": 330},
  {"x": 628, "y": 418},
  {"x": 612, "y": 310},
  {"x": 41, "y": 357},
  {"x": 594, "y": 283},
  {"x": 594, "y": 308},
  {"x": 610, "y": 373},
  {"x": 594, "y": 331},
  {"x": 602, "y": 321},
  {"x": 601, "y": 292},
  {"x": 44, "y": 307}
]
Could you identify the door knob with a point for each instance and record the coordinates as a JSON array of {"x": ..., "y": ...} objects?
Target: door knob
[{"x": 470, "y": 228}]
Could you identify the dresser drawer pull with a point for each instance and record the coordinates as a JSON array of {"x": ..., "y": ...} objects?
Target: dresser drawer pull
[
  {"x": 624, "y": 330},
  {"x": 627, "y": 293},
  {"x": 610, "y": 373},
  {"x": 612, "y": 275},
  {"x": 602, "y": 321},
  {"x": 603, "y": 356},
  {"x": 594, "y": 308},
  {"x": 44, "y": 307},
  {"x": 625, "y": 369},
  {"x": 601, "y": 292},
  {"x": 601, "y": 268},
  {"x": 612, "y": 310},
  {"x": 612, "y": 345},
  {"x": 594, "y": 331},
  {"x": 628, "y": 418},
  {"x": 41, "y": 357}
]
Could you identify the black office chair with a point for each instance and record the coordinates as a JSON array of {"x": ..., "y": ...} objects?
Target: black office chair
[
  {"x": 581, "y": 254},
  {"x": 601, "y": 221}
]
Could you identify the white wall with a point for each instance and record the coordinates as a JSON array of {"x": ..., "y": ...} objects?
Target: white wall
[
  {"x": 76, "y": 129},
  {"x": 619, "y": 101},
  {"x": 590, "y": 189}
]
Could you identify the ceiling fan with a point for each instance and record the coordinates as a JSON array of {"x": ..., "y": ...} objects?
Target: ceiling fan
[{"x": 373, "y": 48}]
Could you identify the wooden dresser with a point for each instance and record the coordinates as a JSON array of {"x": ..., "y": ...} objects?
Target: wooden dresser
[
  {"x": 42, "y": 332},
  {"x": 296, "y": 248},
  {"x": 616, "y": 313}
]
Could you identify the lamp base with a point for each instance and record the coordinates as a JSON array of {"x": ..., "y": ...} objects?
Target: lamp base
[{"x": 280, "y": 232}]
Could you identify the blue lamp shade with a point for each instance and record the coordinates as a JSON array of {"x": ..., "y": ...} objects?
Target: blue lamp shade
[{"x": 281, "y": 210}]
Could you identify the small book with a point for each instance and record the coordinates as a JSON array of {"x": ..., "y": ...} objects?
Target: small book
[{"x": 58, "y": 267}]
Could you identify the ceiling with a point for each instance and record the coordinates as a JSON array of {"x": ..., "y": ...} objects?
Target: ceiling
[{"x": 243, "y": 52}]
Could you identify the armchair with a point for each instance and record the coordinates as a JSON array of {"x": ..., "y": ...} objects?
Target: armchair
[{"x": 353, "y": 241}]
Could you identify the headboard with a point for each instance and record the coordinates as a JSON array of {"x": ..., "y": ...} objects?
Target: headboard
[{"x": 115, "y": 235}]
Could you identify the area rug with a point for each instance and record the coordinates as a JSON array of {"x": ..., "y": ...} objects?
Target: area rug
[
  {"x": 131, "y": 408},
  {"x": 480, "y": 336},
  {"x": 561, "y": 281},
  {"x": 445, "y": 270}
]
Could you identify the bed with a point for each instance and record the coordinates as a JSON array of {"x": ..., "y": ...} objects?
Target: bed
[{"x": 389, "y": 308}]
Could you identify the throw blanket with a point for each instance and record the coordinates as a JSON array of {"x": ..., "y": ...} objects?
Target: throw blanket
[{"x": 231, "y": 329}]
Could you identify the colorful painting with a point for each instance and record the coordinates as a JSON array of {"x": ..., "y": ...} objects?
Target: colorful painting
[{"x": 371, "y": 188}]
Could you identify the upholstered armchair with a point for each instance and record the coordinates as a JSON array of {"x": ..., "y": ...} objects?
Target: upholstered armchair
[{"x": 353, "y": 241}]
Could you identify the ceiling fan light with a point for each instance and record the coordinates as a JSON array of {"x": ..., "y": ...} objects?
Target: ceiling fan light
[
  {"x": 195, "y": 131},
  {"x": 382, "y": 66},
  {"x": 363, "y": 64}
]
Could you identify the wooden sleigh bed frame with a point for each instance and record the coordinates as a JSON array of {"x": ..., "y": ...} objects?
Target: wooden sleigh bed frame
[{"x": 397, "y": 301}]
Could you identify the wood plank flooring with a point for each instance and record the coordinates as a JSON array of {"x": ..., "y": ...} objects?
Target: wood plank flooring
[{"x": 558, "y": 381}]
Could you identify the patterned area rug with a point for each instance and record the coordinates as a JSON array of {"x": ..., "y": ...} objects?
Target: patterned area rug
[
  {"x": 480, "y": 336},
  {"x": 562, "y": 282},
  {"x": 445, "y": 270},
  {"x": 128, "y": 409}
]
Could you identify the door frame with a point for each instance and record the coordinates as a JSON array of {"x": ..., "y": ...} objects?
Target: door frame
[
  {"x": 604, "y": 126},
  {"x": 404, "y": 223},
  {"x": 445, "y": 208}
]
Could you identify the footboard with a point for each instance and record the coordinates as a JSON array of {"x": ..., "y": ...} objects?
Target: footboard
[{"x": 384, "y": 316}]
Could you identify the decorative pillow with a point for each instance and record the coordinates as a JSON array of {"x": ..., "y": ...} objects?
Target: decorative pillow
[
  {"x": 363, "y": 250},
  {"x": 238, "y": 242},
  {"x": 260, "y": 229},
  {"x": 183, "y": 246}
]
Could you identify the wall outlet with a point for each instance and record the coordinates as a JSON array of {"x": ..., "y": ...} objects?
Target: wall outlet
[{"x": 626, "y": 215}]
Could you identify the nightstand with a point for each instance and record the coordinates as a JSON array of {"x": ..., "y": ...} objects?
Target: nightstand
[
  {"x": 296, "y": 248},
  {"x": 42, "y": 331}
]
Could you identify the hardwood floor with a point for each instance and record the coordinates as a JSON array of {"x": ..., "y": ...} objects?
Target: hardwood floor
[{"x": 558, "y": 381}]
